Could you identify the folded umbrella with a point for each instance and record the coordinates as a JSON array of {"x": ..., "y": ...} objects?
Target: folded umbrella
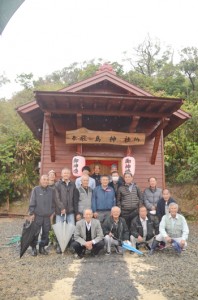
[
  {"x": 127, "y": 246},
  {"x": 176, "y": 246},
  {"x": 30, "y": 230},
  {"x": 63, "y": 232}
]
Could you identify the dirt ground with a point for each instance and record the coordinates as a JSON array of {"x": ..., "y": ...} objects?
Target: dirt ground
[{"x": 165, "y": 275}]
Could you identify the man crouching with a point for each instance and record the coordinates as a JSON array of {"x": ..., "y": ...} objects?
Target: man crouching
[
  {"x": 88, "y": 235},
  {"x": 173, "y": 230},
  {"x": 41, "y": 208}
]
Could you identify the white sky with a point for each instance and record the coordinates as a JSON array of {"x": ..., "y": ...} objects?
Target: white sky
[{"x": 48, "y": 35}]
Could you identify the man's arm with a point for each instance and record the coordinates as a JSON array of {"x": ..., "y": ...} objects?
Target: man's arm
[
  {"x": 98, "y": 232},
  {"x": 185, "y": 231},
  {"x": 32, "y": 202},
  {"x": 148, "y": 205},
  {"x": 78, "y": 234},
  {"x": 93, "y": 201},
  {"x": 58, "y": 201}
]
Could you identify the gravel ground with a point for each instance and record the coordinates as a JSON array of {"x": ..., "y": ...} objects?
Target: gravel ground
[{"x": 97, "y": 278}]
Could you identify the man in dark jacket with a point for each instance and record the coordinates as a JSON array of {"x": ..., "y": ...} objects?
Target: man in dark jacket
[
  {"x": 162, "y": 205},
  {"x": 116, "y": 181},
  {"x": 129, "y": 199},
  {"x": 67, "y": 200},
  {"x": 41, "y": 208},
  {"x": 115, "y": 230},
  {"x": 143, "y": 229}
]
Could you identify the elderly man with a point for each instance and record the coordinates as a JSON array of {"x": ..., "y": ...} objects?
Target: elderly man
[
  {"x": 85, "y": 195},
  {"x": 66, "y": 200},
  {"x": 88, "y": 235},
  {"x": 143, "y": 229},
  {"x": 41, "y": 208},
  {"x": 115, "y": 230},
  {"x": 129, "y": 199},
  {"x": 173, "y": 230},
  {"x": 103, "y": 199},
  {"x": 163, "y": 204},
  {"x": 116, "y": 181},
  {"x": 152, "y": 195},
  {"x": 86, "y": 171}
]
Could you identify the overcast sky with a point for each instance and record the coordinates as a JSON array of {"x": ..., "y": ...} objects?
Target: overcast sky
[{"x": 48, "y": 35}]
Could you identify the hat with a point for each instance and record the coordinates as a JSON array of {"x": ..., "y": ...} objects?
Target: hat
[
  {"x": 86, "y": 168},
  {"x": 51, "y": 171}
]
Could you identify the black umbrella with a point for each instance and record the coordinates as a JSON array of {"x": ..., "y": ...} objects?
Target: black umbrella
[{"x": 30, "y": 230}]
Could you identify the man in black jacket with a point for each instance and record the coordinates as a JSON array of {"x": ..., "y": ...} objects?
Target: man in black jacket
[
  {"x": 66, "y": 200},
  {"x": 115, "y": 230},
  {"x": 41, "y": 208},
  {"x": 129, "y": 199},
  {"x": 163, "y": 203},
  {"x": 143, "y": 229}
]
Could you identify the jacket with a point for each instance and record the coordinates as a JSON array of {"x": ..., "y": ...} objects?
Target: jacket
[
  {"x": 137, "y": 229},
  {"x": 80, "y": 231},
  {"x": 161, "y": 207},
  {"x": 42, "y": 201},
  {"x": 151, "y": 197},
  {"x": 129, "y": 201},
  {"x": 102, "y": 199},
  {"x": 121, "y": 232},
  {"x": 68, "y": 197},
  {"x": 84, "y": 199}
]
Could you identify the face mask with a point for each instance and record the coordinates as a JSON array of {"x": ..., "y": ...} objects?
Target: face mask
[{"x": 115, "y": 178}]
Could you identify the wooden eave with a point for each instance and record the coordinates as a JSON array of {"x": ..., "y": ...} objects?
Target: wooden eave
[
  {"x": 107, "y": 104},
  {"x": 33, "y": 116}
]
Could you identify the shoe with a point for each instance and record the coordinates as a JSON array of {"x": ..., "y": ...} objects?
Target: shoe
[
  {"x": 78, "y": 256},
  {"x": 119, "y": 250},
  {"x": 151, "y": 252},
  {"x": 161, "y": 247},
  {"x": 58, "y": 250},
  {"x": 107, "y": 253},
  {"x": 42, "y": 250},
  {"x": 34, "y": 251}
]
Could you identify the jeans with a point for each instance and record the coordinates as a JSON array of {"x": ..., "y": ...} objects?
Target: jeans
[{"x": 68, "y": 217}]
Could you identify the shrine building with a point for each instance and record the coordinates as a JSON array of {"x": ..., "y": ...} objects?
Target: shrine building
[{"x": 103, "y": 119}]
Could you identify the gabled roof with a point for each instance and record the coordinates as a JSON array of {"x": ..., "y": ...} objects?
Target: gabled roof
[
  {"x": 106, "y": 74},
  {"x": 104, "y": 94}
]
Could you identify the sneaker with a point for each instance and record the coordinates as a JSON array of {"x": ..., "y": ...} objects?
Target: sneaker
[
  {"x": 78, "y": 256},
  {"x": 107, "y": 253},
  {"x": 119, "y": 250}
]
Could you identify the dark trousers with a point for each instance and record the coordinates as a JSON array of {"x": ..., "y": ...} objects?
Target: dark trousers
[
  {"x": 81, "y": 249},
  {"x": 129, "y": 216},
  {"x": 45, "y": 224}
]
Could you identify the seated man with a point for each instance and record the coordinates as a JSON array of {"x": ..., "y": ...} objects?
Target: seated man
[
  {"x": 163, "y": 203},
  {"x": 86, "y": 171},
  {"x": 115, "y": 230},
  {"x": 103, "y": 199},
  {"x": 143, "y": 229},
  {"x": 173, "y": 230},
  {"x": 88, "y": 235}
]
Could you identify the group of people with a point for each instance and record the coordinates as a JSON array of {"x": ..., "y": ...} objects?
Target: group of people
[{"x": 107, "y": 210}]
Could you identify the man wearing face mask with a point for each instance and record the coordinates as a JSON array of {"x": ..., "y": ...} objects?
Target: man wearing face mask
[{"x": 116, "y": 181}]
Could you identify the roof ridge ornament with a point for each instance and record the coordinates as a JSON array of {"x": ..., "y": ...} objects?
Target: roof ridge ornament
[{"x": 106, "y": 67}]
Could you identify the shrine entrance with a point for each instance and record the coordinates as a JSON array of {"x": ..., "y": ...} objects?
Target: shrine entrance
[{"x": 104, "y": 163}]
